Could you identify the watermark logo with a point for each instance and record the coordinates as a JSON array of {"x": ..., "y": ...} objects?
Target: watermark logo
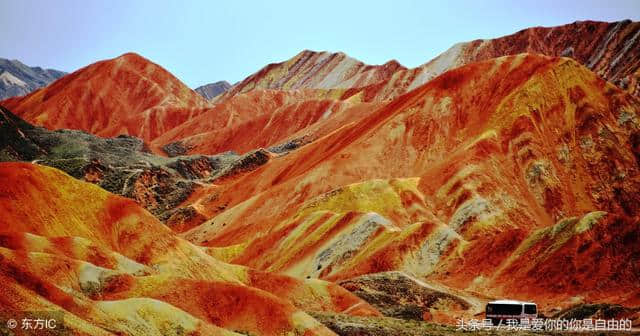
[
  {"x": 12, "y": 324},
  {"x": 538, "y": 324},
  {"x": 31, "y": 322}
]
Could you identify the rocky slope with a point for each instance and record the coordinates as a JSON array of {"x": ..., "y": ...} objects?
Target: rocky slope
[
  {"x": 262, "y": 118},
  {"x": 608, "y": 49},
  {"x": 112, "y": 268},
  {"x": 122, "y": 165},
  {"x": 213, "y": 90},
  {"x": 472, "y": 181},
  {"x": 17, "y": 79},
  {"x": 611, "y": 50},
  {"x": 316, "y": 70},
  {"x": 126, "y": 95}
]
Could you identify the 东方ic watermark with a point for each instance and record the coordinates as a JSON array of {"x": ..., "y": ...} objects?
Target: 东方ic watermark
[{"x": 34, "y": 320}]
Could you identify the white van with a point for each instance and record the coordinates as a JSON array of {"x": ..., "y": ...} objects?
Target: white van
[{"x": 501, "y": 310}]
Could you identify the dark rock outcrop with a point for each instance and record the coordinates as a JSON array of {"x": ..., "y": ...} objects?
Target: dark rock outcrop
[
  {"x": 290, "y": 145},
  {"x": 213, "y": 90},
  {"x": 15, "y": 145},
  {"x": 122, "y": 165},
  {"x": 246, "y": 162},
  {"x": 398, "y": 295},
  {"x": 175, "y": 149}
]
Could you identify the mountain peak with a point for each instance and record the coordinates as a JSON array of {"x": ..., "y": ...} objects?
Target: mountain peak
[
  {"x": 317, "y": 70},
  {"x": 212, "y": 90},
  {"x": 132, "y": 55},
  {"x": 394, "y": 64},
  {"x": 123, "y": 89}
]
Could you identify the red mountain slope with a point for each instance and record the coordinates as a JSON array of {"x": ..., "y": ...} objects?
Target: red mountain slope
[
  {"x": 606, "y": 48},
  {"x": 125, "y": 95},
  {"x": 316, "y": 70},
  {"x": 611, "y": 50},
  {"x": 457, "y": 181},
  {"x": 264, "y": 118},
  {"x": 113, "y": 268}
]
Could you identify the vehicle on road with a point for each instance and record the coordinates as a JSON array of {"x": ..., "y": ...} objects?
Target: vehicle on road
[{"x": 502, "y": 310}]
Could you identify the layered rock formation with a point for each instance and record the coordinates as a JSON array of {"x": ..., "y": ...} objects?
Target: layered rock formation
[
  {"x": 608, "y": 49},
  {"x": 611, "y": 50},
  {"x": 146, "y": 101},
  {"x": 126, "y": 95},
  {"x": 121, "y": 165},
  {"x": 502, "y": 168},
  {"x": 112, "y": 268},
  {"x": 457, "y": 185},
  {"x": 316, "y": 70},
  {"x": 262, "y": 118},
  {"x": 320, "y": 84}
]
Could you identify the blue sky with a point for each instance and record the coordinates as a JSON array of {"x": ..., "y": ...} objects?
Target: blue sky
[{"x": 206, "y": 41}]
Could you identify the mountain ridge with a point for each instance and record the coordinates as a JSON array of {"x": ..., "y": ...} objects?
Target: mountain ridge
[
  {"x": 393, "y": 79},
  {"x": 18, "y": 79},
  {"x": 604, "y": 47},
  {"x": 332, "y": 75},
  {"x": 125, "y": 95}
]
